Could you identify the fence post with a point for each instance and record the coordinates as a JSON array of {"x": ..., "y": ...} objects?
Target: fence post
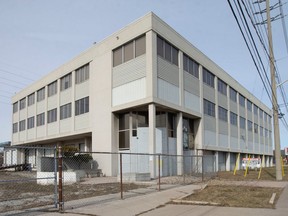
[
  {"x": 202, "y": 168},
  {"x": 159, "y": 178},
  {"x": 121, "y": 177},
  {"x": 60, "y": 188},
  {"x": 183, "y": 168},
  {"x": 55, "y": 177}
]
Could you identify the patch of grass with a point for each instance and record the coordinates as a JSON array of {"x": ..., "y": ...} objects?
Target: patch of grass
[
  {"x": 240, "y": 196},
  {"x": 268, "y": 173}
]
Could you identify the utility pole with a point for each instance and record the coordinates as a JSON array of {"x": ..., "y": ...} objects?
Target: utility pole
[{"x": 274, "y": 97}]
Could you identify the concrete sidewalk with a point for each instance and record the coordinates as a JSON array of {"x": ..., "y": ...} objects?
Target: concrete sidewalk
[{"x": 155, "y": 203}]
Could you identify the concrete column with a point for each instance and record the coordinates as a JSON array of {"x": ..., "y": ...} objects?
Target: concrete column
[
  {"x": 216, "y": 162},
  {"x": 228, "y": 161},
  {"x": 180, "y": 144},
  {"x": 152, "y": 139},
  {"x": 151, "y": 64}
]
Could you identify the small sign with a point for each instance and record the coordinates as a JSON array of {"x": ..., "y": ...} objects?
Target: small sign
[{"x": 251, "y": 162}]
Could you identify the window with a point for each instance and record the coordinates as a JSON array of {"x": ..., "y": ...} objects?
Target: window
[
  {"x": 65, "y": 111},
  {"x": 30, "y": 122},
  {"x": 15, "y": 107},
  {"x": 117, "y": 56},
  {"x": 139, "y": 119},
  {"x": 249, "y": 105},
  {"x": 82, "y": 74},
  {"x": 160, "y": 119},
  {"x": 209, "y": 108},
  {"x": 129, "y": 51},
  {"x": 31, "y": 99},
  {"x": 208, "y": 78},
  {"x": 233, "y": 118},
  {"x": 233, "y": 94},
  {"x": 22, "y": 103},
  {"x": 250, "y": 126},
  {"x": 255, "y": 128},
  {"x": 171, "y": 127},
  {"x": 82, "y": 106},
  {"x": 222, "y": 112},
  {"x": 140, "y": 46},
  {"x": 222, "y": 87},
  {"x": 22, "y": 125},
  {"x": 190, "y": 66},
  {"x": 124, "y": 132},
  {"x": 66, "y": 82},
  {"x": 261, "y": 131},
  {"x": 242, "y": 123},
  {"x": 241, "y": 100},
  {"x": 261, "y": 113},
  {"x": 52, "y": 115},
  {"x": 15, "y": 127},
  {"x": 167, "y": 51},
  {"x": 52, "y": 89},
  {"x": 255, "y": 110},
  {"x": 41, "y": 119},
  {"x": 266, "y": 132},
  {"x": 41, "y": 94},
  {"x": 188, "y": 134}
]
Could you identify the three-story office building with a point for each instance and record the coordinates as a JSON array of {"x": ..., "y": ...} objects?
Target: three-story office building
[{"x": 144, "y": 89}]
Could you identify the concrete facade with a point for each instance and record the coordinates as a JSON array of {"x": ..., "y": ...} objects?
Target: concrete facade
[{"x": 147, "y": 90}]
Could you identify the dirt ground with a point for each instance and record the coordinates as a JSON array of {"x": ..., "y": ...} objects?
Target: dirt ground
[
  {"x": 236, "y": 196},
  {"x": 227, "y": 189},
  {"x": 19, "y": 190}
]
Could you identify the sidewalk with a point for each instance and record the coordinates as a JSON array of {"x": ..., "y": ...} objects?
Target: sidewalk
[{"x": 155, "y": 203}]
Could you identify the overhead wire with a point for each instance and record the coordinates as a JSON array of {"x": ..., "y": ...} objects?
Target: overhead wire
[
  {"x": 254, "y": 44},
  {"x": 251, "y": 53},
  {"x": 278, "y": 78},
  {"x": 249, "y": 48}
]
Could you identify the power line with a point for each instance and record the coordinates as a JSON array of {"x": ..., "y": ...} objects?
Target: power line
[
  {"x": 243, "y": 35},
  {"x": 13, "y": 81},
  {"x": 18, "y": 75},
  {"x": 10, "y": 85}
]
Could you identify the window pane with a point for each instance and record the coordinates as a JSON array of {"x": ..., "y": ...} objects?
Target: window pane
[
  {"x": 22, "y": 103},
  {"x": 82, "y": 74},
  {"x": 174, "y": 56},
  {"x": 66, "y": 82},
  {"x": 233, "y": 94},
  {"x": 41, "y": 94},
  {"x": 168, "y": 54},
  {"x": 52, "y": 89},
  {"x": 128, "y": 51},
  {"x": 241, "y": 100},
  {"x": 209, "y": 108},
  {"x": 31, "y": 99},
  {"x": 222, "y": 87},
  {"x": 185, "y": 63},
  {"x": 160, "y": 119},
  {"x": 208, "y": 78},
  {"x": 124, "y": 139},
  {"x": 160, "y": 47},
  {"x": 124, "y": 121},
  {"x": 15, "y": 107},
  {"x": 117, "y": 56},
  {"x": 140, "y": 46}
]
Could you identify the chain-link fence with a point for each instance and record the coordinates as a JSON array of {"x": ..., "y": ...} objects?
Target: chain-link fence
[
  {"x": 24, "y": 178},
  {"x": 67, "y": 178}
]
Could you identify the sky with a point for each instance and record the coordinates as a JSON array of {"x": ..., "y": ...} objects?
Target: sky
[{"x": 37, "y": 36}]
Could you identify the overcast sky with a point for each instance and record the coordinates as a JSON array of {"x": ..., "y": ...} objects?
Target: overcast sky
[{"x": 37, "y": 36}]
